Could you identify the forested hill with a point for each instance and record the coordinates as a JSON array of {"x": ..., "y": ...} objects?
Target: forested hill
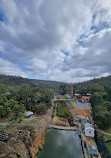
[
  {"x": 17, "y": 80},
  {"x": 97, "y": 84}
]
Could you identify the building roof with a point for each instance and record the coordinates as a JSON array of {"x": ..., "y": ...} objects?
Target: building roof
[
  {"x": 82, "y": 105},
  {"x": 82, "y": 112},
  {"x": 29, "y": 113},
  {"x": 89, "y": 128},
  {"x": 76, "y": 94}
]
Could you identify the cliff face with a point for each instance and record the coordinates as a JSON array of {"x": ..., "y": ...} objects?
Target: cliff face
[
  {"x": 37, "y": 144},
  {"x": 13, "y": 148},
  {"x": 15, "y": 140},
  {"x": 20, "y": 143}
]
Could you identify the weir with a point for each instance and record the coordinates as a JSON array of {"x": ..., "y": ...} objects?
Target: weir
[{"x": 63, "y": 128}]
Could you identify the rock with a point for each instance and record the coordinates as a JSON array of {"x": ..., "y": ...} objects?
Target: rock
[
  {"x": 13, "y": 147},
  {"x": 4, "y": 149}
]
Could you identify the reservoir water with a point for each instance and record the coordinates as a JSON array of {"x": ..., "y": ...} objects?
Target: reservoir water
[{"x": 61, "y": 144}]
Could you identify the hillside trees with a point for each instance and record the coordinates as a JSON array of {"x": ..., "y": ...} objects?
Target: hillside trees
[
  {"x": 4, "y": 107},
  {"x": 101, "y": 111},
  {"x": 41, "y": 108},
  {"x": 15, "y": 100},
  {"x": 18, "y": 111}
]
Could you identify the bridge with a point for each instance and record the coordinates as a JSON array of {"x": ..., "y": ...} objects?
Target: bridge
[
  {"x": 56, "y": 100},
  {"x": 63, "y": 128}
]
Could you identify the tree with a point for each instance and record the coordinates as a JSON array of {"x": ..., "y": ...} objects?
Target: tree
[
  {"x": 96, "y": 100},
  {"x": 3, "y": 89},
  {"x": 41, "y": 108},
  {"x": 107, "y": 104},
  {"x": 47, "y": 98},
  {"x": 108, "y": 95},
  {"x": 18, "y": 110}
]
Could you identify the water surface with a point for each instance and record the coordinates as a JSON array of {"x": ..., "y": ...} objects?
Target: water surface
[{"x": 61, "y": 144}]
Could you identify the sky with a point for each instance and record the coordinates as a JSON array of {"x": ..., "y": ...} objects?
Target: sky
[{"x": 61, "y": 40}]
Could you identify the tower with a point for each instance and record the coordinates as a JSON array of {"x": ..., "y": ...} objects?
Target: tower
[{"x": 71, "y": 90}]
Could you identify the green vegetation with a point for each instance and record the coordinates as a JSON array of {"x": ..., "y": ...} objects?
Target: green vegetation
[
  {"x": 72, "y": 101},
  {"x": 108, "y": 130},
  {"x": 15, "y": 100},
  {"x": 109, "y": 145},
  {"x": 62, "y": 111},
  {"x": 64, "y": 97},
  {"x": 101, "y": 110},
  {"x": 103, "y": 136},
  {"x": 91, "y": 86}
]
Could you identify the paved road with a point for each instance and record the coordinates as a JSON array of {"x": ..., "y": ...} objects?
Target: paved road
[{"x": 61, "y": 100}]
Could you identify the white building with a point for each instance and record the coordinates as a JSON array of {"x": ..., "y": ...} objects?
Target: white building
[{"x": 89, "y": 130}]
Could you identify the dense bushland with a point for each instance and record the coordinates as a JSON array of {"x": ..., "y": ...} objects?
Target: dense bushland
[
  {"x": 15, "y": 100},
  {"x": 101, "y": 108}
]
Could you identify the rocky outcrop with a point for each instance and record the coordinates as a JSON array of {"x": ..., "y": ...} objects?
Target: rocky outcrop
[
  {"x": 13, "y": 148},
  {"x": 37, "y": 144},
  {"x": 24, "y": 141},
  {"x": 23, "y": 135}
]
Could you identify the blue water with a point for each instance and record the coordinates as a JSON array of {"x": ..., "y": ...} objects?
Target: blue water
[{"x": 61, "y": 144}]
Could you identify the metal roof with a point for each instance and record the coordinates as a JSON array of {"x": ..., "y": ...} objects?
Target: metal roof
[{"x": 29, "y": 113}]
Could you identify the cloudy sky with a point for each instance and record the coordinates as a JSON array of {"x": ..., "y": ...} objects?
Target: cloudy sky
[{"x": 62, "y": 40}]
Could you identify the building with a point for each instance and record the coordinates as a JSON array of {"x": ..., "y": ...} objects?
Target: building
[
  {"x": 89, "y": 130},
  {"x": 86, "y": 98},
  {"x": 82, "y": 98},
  {"x": 77, "y": 96},
  {"x": 29, "y": 113},
  {"x": 92, "y": 151}
]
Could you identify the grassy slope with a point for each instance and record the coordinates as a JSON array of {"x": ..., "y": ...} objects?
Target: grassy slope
[{"x": 109, "y": 145}]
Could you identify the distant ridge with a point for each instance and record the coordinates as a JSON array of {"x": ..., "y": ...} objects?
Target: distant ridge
[{"x": 17, "y": 80}]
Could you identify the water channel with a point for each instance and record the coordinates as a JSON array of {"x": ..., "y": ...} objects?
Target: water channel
[{"x": 61, "y": 144}]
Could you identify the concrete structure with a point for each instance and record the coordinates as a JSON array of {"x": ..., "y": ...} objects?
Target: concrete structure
[{"x": 89, "y": 130}]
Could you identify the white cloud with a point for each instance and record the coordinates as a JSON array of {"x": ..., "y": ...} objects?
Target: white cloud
[
  {"x": 34, "y": 33},
  {"x": 10, "y": 69}
]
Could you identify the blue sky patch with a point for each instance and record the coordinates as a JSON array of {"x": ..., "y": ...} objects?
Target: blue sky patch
[
  {"x": 64, "y": 52},
  {"x": 21, "y": 66},
  {"x": 81, "y": 43},
  {"x": 102, "y": 26},
  {"x": 1, "y": 15},
  {"x": 0, "y": 55}
]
